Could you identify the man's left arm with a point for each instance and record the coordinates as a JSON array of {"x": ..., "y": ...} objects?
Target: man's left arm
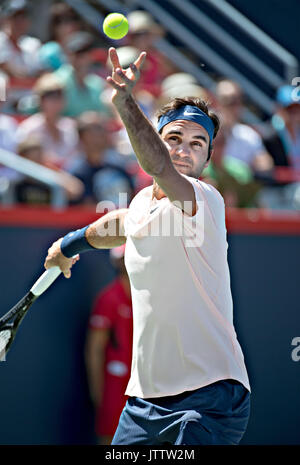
[{"x": 150, "y": 150}]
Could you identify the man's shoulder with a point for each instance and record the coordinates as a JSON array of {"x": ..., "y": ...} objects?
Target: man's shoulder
[
  {"x": 32, "y": 122},
  {"x": 206, "y": 189}
]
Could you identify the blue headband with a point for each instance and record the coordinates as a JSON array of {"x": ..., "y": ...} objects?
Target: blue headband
[{"x": 189, "y": 113}]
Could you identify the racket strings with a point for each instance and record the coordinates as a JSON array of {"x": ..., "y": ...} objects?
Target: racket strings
[{"x": 5, "y": 337}]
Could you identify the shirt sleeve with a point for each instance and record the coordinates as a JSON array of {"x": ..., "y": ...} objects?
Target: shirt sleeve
[
  {"x": 208, "y": 223},
  {"x": 102, "y": 316},
  {"x": 204, "y": 194}
]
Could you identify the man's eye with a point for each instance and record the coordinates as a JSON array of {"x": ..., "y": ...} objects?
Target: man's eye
[
  {"x": 173, "y": 138},
  {"x": 198, "y": 144}
]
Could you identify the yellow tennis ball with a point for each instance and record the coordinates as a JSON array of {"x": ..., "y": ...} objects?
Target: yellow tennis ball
[{"x": 115, "y": 26}]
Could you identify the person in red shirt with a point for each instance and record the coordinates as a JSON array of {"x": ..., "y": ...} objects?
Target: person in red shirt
[{"x": 108, "y": 349}]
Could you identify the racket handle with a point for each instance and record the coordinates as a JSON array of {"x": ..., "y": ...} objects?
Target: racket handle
[{"x": 45, "y": 280}]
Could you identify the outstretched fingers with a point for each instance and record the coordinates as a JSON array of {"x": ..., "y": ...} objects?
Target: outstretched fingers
[
  {"x": 123, "y": 76},
  {"x": 140, "y": 60},
  {"x": 114, "y": 83},
  {"x": 114, "y": 58},
  {"x": 121, "y": 80}
]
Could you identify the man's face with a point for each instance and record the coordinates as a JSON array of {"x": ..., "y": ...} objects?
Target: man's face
[
  {"x": 188, "y": 145},
  {"x": 95, "y": 137},
  {"x": 52, "y": 102}
]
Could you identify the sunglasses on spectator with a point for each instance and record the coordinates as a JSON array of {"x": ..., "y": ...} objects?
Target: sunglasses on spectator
[{"x": 53, "y": 94}]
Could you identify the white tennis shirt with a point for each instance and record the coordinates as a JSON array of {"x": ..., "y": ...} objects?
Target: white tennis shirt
[{"x": 183, "y": 334}]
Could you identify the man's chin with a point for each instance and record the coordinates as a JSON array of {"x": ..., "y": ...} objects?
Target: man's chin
[{"x": 184, "y": 169}]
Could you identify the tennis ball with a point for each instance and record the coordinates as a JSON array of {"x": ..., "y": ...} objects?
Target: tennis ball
[{"x": 115, "y": 26}]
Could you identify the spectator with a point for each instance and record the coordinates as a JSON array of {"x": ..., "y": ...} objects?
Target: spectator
[
  {"x": 83, "y": 90},
  {"x": 281, "y": 136},
  {"x": 143, "y": 33},
  {"x": 180, "y": 85},
  {"x": 63, "y": 22},
  {"x": 103, "y": 171},
  {"x": 242, "y": 142},
  {"x": 18, "y": 51},
  {"x": 108, "y": 349},
  {"x": 232, "y": 177},
  {"x": 30, "y": 191},
  {"x": 8, "y": 128},
  {"x": 57, "y": 134}
]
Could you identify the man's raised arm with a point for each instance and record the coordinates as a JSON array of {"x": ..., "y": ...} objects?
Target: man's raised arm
[
  {"x": 105, "y": 233},
  {"x": 150, "y": 150}
]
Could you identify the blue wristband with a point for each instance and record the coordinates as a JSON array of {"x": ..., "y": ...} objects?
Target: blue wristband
[{"x": 75, "y": 242}]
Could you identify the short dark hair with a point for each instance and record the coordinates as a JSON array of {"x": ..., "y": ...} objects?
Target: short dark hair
[{"x": 177, "y": 103}]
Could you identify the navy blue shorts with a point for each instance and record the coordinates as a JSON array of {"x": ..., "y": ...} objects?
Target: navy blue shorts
[{"x": 214, "y": 414}]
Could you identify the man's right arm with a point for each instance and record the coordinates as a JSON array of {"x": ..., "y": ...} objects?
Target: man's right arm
[
  {"x": 105, "y": 233},
  {"x": 108, "y": 231}
]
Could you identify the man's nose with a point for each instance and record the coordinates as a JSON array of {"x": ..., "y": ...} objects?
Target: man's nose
[{"x": 183, "y": 149}]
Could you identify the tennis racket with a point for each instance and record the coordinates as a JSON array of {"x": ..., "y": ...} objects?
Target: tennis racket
[{"x": 10, "y": 322}]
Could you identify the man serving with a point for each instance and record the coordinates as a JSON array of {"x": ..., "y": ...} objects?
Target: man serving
[{"x": 188, "y": 382}]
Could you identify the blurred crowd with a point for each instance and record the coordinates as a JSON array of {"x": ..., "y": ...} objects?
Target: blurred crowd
[{"x": 57, "y": 113}]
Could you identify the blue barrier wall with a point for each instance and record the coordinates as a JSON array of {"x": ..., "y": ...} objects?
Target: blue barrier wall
[{"x": 43, "y": 387}]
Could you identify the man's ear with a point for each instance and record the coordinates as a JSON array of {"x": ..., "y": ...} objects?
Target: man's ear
[{"x": 207, "y": 162}]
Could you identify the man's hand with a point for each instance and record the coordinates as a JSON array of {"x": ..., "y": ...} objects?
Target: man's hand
[
  {"x": 123, "y": 81},
  {"x": 55, "y": 257}
]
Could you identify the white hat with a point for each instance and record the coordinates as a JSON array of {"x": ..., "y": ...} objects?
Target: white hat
[
  {"x": 140, "y": 21},
  {"x": 177, "y": 79},
  {"x": 187, "y": 90}
]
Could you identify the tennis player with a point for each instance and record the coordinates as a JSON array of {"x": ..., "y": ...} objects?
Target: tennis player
[{"x": 188, "y": 382}]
